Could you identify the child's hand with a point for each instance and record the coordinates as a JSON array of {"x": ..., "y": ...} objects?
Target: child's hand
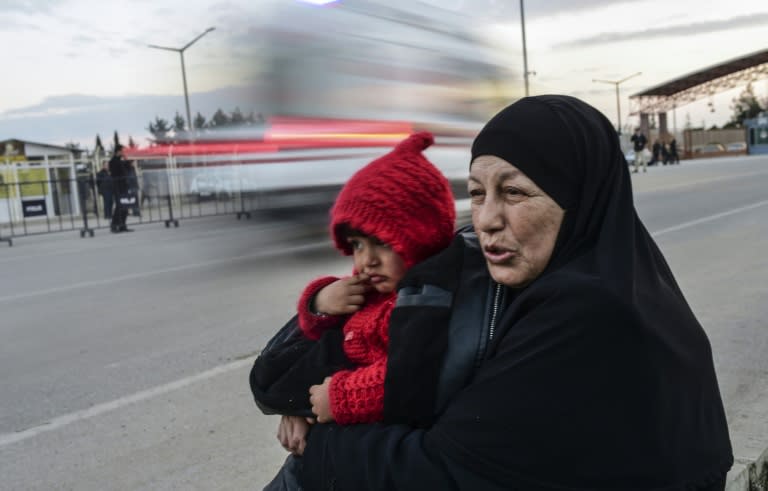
[
  {"x": 321, "y": 404},
  {"x": 345, "y": 296},
  {"x": 292, "y": 433}
]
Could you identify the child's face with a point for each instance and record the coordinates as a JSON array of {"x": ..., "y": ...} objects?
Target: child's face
[{"x": 376, "y": 259}]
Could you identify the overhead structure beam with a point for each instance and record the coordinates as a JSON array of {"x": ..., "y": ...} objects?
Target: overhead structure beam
[{"x": 701, "y": 84}]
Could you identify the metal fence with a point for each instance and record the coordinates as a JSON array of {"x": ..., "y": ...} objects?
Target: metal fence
[{"x": 82, "y": 205}]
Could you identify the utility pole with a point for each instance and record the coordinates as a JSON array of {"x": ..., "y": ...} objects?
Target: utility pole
[
  {"x": 618, "y": 102},
  {"x": 525, "y": 49},
  {"x": 183, "y": 69}
]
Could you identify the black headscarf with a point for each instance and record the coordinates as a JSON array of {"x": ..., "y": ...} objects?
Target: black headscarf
[{"x": 571, "y": 151}]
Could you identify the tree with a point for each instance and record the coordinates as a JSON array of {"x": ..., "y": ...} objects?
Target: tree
[
  {"x": 237, "y": 117},
  {"x": 219, "y": 119},
  {"x": 746, "y": 106},
  {"x": 200, "y": 121},
  {"x": 159, "y": 127},
  {"x": 178, "y": 122},
  {"x": 98, "y": 148},
  {"x": 131, "y": 143},
  {"x": 116, "y": 141}
]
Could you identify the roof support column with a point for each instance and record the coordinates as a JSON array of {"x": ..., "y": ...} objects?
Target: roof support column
[
  {"x": 644, "y": 125},
  {"x": 663, "y": 124}
]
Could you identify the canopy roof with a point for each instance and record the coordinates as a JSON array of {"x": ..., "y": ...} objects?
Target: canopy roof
[{"x": 705, "y": 75}]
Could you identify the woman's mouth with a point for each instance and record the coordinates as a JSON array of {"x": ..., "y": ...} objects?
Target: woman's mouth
[
  {"x": 375, "y": 278},
  {"x": 497, "y": 255}
]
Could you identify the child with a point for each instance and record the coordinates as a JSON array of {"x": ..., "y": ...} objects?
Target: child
[{"x": 393, "y": 213}]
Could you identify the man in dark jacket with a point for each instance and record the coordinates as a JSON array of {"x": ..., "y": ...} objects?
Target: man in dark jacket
[
  {"x": 639, "y": 141},
  {"x": 104, "y": 186},
  {"x": 118, "y": 169}
]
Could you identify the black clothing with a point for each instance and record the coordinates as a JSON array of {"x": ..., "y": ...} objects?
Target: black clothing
[
  {"x": 656, "y": 153},
  {"x": 290, "y": 364},
  {"x": 104, "y": 186},
  {"x": 673, "y": 156},
  {"x": 597, "y": 375},
  {"x": 103, "y": 181},
  {"x": 427, "y": 363},
  {"x": 639, "y": 140},
  {"x": 118, "y": 169}
]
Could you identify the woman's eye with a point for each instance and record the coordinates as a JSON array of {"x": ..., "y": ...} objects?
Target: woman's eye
[
  {"x": 475, "y": 193},
  {"x": 355, "y": 244},
  {"x": 512, "y": 191}
]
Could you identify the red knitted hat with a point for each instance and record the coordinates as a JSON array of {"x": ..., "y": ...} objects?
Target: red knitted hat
[{"x": 401, "y": 199}]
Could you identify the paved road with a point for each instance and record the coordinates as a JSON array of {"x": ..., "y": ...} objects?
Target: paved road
[{"x": 125, "y": 358}]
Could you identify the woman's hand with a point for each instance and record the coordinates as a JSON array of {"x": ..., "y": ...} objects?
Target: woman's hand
[
  {"x": 292, "y": 433},
  {"x": 321, "y": 404},
  {"x": 342, "y": 297}
]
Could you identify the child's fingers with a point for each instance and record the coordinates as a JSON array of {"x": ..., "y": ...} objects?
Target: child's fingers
[
  {"x": 357, "y": 299},
  {"x": 362, "y": 277},
  {"x": 358, "y": 289}
]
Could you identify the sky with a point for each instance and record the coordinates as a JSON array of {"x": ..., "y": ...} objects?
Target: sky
[{"x": 75, "y": 68}]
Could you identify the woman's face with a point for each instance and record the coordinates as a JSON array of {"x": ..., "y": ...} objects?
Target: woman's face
[{"x": 516, "y": 222}]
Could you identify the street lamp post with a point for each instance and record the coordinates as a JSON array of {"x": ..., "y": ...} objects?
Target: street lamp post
[
  {"x": 525, "y": 50},
  {"x": 618, "y": 103},
  {"x": 183, "y": 69}
]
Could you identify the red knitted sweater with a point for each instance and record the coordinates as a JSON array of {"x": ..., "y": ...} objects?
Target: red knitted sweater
[{"x": 356, "y": 396}]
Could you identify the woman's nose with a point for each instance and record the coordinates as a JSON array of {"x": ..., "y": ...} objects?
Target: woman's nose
[{"x": 488, "y": 216}]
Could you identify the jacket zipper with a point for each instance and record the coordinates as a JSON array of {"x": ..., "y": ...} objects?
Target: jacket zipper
[{"x": 495, "y": 311}]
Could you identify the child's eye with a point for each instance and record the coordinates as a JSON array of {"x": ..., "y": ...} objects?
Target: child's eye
[
  {"x": 355, "y": 244},
  {"x": 376, "y": 241}
]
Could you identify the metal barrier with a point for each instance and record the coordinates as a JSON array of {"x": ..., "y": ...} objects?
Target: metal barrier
[{"x": 30, "y": 208}]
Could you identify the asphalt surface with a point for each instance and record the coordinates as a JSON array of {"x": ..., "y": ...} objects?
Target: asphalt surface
[{"x": 125, "y": 357}]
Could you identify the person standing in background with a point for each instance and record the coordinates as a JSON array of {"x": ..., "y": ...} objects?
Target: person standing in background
[
  {"x": 640, "y": 141},
  {"x": 674, "y": 158},
  {"x": 104, "y": 187},
  {"x": 118, "y": 169}
]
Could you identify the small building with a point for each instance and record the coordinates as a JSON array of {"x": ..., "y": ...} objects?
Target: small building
[{"x": 36, "y": 179}]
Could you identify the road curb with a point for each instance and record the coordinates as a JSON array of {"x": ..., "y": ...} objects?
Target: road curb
[{"x": 749, "y": 476}]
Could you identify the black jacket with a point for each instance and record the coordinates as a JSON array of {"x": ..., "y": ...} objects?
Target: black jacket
[
  {"x": 433, "y": 346},
  {"x": 104, "y": 182},
  {"x": 119, "y": 172}
]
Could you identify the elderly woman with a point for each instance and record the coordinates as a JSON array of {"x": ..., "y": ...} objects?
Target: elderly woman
[{"x": 573, "y": 361}]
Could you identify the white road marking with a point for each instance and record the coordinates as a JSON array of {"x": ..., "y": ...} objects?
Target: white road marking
[
  {"x": 85, "y": 284},
  {"x": 708, "y": 218},
  {"x": 98, "y": 409}
]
